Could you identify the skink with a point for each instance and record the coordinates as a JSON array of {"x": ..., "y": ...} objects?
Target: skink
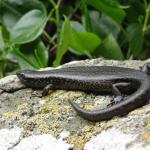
[{"x": 134, "y": 84}]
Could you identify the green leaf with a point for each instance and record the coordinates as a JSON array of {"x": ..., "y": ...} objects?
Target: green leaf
[
  {"x": 33, "y": 55},
  {"x": 104, "y": 25},
  {"x": 12, "y": 10},
  {"x": 86, "y": 17},
  {"x": 110, "y": 49},
  {"x": 111, "y": 8},
  {"x": 29, "y": 27},
  {"x": 77, "y": 26},
  {"x": 84, "y": 42},
  {"x": 24, "y": 61},
  {"x": 41, "y": 54},
  {"x": 135, "y": 36},
  {"x": 63, "y": 44},
  {"x": 1, "y": 40},
  {"x": 1, "y": 16},
  {"x": 135, "y": 11}
]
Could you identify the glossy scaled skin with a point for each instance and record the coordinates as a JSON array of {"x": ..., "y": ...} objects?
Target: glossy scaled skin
[{"x": 102, "y": 79}]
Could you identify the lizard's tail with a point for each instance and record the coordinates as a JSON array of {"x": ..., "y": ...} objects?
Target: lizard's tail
[{"x": 135, "y": 100}]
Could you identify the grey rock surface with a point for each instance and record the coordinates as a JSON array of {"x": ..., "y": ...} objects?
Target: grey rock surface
[
  {"x": 114, "y": 139},
  {"x": 51, "y": 115},
  {"x": 11, "y": 139}
]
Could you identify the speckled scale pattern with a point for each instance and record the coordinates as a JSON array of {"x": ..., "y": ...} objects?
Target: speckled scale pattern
[{"x": 94, "y": 78}]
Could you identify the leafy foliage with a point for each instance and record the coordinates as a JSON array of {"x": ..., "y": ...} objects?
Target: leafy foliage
[
  {"x": 64, "y": 41},
  {"x": 111, "y": 8},
  {"x": 36, "y": 34}
]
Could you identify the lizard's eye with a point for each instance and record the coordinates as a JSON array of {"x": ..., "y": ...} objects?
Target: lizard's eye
[{"x": 20, "y": 75}]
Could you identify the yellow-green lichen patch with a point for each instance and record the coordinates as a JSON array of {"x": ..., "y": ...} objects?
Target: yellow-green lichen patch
[
  {"x": 87, "y": 101},
  {"x": 148, "y": 122},
  {"x": 77, "y": 140},
  {"x": 9, "y": 115},
  {"x": 146, "y": 134},
  {"x": 72, "y": 95},
  {"x": 48, "y": 118},
  {"x": 37, "y": 123},
  {"x": 44, "y": 109},
  {"x": 22, "y": 106},
  {"x": 81, "y": 136},
  {"x": 140, "y": 111}
]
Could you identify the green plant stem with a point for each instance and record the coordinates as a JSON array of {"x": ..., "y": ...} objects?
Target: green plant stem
[
  {"x": 128, "y": 53},
  {"x": 53, "y": 3},
  {"x": 148, "y": 27},
  {"x": 145, "y": 3},
  {"x": 58, "y": 19},
  {"x": 53, "y": 48},
  {"x": 87, "y": 18},
  {"x": 50, "y": 15},
  {"x": 124, "y": 41},
  {"x": 1, "y": 74},
  {"x": 74, "y": 10},
  {"x": 50, "y": 40},
  {"x": 57, "y": 16},
  {"x": 146, "y": 18}
]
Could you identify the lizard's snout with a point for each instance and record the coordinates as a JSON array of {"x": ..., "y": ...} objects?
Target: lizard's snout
[{"x": 20, "y": 75}]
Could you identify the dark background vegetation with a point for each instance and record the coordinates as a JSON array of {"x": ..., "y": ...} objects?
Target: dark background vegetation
[{"x": 40, "y": 33}]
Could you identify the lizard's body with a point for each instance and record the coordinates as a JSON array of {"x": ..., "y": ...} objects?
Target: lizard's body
[{"x": 103, "y": 79}]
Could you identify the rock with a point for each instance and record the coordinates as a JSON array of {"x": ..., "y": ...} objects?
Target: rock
[
  {"x": 42, "y": 142},
  {"x": 113, "y": 139},
  {"x": 11, "y": 139},
  {"x": 49, "y": 116},
  {"x": 10, "y": 83}
]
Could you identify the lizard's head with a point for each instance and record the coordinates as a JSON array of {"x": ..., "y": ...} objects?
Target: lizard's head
[
  {"x": 23, "y": 75},
  {"x": 32, "y": 78},
  {"x": 26, "y": 78}
]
